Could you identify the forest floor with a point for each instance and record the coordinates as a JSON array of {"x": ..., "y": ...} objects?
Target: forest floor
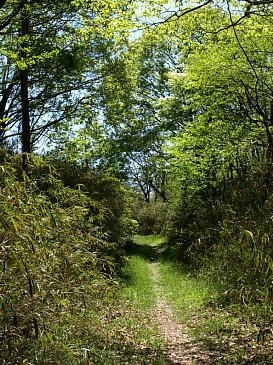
[
  {"x": 161, "y": 314},
  {"x": 179, "y": 347},
  {"x": 188, "y": 327}
]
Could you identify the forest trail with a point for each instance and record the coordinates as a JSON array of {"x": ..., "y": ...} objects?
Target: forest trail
[{"x": 178, "y": 345}]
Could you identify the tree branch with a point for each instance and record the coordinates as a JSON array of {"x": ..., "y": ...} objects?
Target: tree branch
[{"x": 9, "y": 18}]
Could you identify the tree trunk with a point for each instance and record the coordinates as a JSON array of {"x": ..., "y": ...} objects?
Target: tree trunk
[{"x": 26, "y": 144}]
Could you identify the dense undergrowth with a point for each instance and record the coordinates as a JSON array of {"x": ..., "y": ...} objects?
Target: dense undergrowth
[
  {"x": 222, "y": 231},
  {"x": 228, "y": 235},
  {"x": 59, "y": 262}
]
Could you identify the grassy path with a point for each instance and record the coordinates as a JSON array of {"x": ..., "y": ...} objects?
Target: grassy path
[
  {"x": 161, "y": 315},
  {"x": 182, "y": 308},
  {"x": 178, "y": 344},
  {"x": 151, "y": 285}
]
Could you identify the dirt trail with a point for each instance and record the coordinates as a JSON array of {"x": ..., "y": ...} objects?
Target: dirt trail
[{"x": 179, "y": 346}]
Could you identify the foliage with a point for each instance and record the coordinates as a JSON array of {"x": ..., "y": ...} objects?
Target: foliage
[
  {"x": 150, "y": 217},
  {"x": 56, "y": 263},
  {"x": 181, "y": 110},
  {"x": 108, "y": 191},
  {"x": 63, "y": 51},
  {"x": 220, "y": 161}
]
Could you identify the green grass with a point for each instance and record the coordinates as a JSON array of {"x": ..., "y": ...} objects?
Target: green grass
[
  {"x": 122, "y": 331},
  {"x": 229, "y": 332},
  {"x": 186, "y": 293},
  {"x": 151, "y": 240},
  {"x": 139, "y": 286},
  {"x": 134, "y": 334},
  {"x": 119, "y": 330}
]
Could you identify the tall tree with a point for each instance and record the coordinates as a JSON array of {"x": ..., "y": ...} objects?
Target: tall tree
[
  {"x": 68, "y": 46},
  {"x": 26, "y": 144},
  {"x": 136, "y": 131}
]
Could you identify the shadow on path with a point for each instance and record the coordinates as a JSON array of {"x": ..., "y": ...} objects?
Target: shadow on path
[
  {"x": 158, "y": 252},
  {"x": 147, "y": 252}
]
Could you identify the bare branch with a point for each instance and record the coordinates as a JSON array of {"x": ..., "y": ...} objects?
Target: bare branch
[
  {"x": 257, "y": 3},
  {"x": 178, "y": 14}
]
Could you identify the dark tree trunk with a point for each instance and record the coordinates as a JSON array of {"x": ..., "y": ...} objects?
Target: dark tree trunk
[
  {"x": 160, "y": 192},
  {"x": 3, "y": 103},
  {"x": 26, "y": 144}
]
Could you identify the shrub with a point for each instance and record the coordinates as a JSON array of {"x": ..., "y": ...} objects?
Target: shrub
[
  {"x": 150, "y": 217},
  {"x": 108, "y": 191},
  {"x": 55, "y": 262}
]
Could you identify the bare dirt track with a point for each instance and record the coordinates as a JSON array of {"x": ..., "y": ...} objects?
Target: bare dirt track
[{"x": 178, "y": 345}]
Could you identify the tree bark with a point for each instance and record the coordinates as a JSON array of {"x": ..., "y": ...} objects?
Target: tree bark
[{"x": 26, "y": 143}]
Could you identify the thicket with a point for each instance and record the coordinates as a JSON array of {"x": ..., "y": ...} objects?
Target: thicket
[
  {"x": 150, "y": 217},
  {"x": 105, "y": 189},
  {"x": 224, "y": 230},
  {"x": 57, "y": 261}
]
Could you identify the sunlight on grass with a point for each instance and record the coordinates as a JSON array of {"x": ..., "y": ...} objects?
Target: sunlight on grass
[
  {"x": 139, "y": 287},
  {"x": 222, "y": 330},
  {"x": 121, "y": 330},
  {"x": 134, "y": 332},
  {"x": 185, "y": 292},
  {"x": 149, "y": 240}
]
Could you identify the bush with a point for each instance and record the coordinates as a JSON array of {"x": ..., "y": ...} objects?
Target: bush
[
  {"x": 55, "y": 262},
  {"x": 228, "y": 235},
  {"x": 150, "y": 217},
  {"x": 108, "y": 191}
]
